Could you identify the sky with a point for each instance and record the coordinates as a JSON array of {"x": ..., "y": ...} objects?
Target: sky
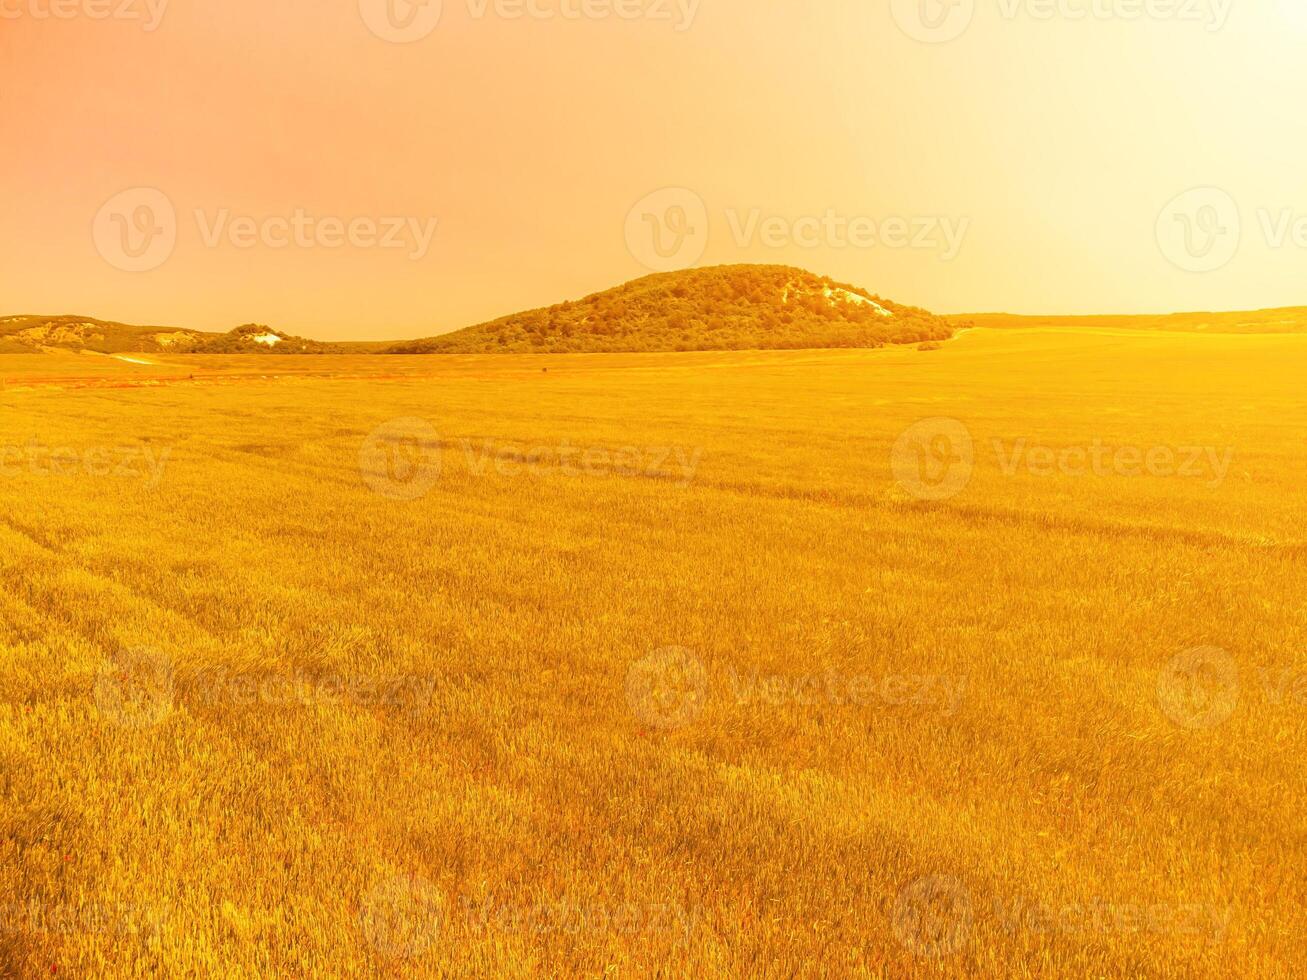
[{"x": 372, "y": 169}]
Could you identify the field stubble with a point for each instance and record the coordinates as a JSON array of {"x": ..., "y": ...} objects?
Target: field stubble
[{"x": 661, "y": 667}]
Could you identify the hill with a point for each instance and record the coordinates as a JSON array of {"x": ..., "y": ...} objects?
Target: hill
[
  {"x": 254, "y": 338},
  {"x": 738, "y": 307},
  {"x": 34, "y": 334},
  {"x": 1291, "y": 319}
]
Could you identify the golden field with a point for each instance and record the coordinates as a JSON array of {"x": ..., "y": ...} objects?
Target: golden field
[{"x": 657, "y": 664}]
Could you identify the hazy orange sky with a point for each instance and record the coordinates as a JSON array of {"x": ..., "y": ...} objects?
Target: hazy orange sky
[{"x": 1032, "y": 157}]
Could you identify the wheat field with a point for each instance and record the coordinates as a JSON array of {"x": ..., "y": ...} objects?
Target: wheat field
[{"x": 978, "y": 661}]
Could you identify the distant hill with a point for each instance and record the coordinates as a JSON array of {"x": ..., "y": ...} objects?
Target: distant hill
[
  {"x": 255, "y": 338},
  {"x": 34, "y": 334},
  {"x": 734, "y": 307},
  {"x": 1291, "y": 319},
  {"x": 737, "y": 307}
]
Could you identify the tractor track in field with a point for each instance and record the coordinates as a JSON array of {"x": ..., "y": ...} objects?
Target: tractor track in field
[{"x": 65, "y": 383}]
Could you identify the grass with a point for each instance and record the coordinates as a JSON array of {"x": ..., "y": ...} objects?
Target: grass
[
  {"x": 1292, "y": 319},
  {"x": 588, "y": 705}
]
